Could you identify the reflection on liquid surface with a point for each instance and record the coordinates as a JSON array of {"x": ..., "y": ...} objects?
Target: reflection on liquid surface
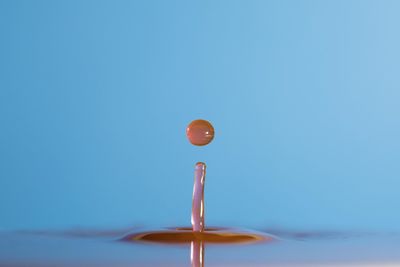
[
  {"x": 104, "y": 248},
  {"x": 197, "y": 253}
]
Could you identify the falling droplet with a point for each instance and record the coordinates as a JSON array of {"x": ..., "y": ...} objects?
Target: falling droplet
[{"x": 200, "y": 132}]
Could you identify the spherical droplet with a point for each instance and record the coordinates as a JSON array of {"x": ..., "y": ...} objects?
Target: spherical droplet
[{"x": 200, "y": 132}]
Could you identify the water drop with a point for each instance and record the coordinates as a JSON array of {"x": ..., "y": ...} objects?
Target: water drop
[{"x": 200, "y": 132}]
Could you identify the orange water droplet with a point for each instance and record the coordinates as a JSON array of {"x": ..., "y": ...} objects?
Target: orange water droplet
[{"x": 200, "y": 132}]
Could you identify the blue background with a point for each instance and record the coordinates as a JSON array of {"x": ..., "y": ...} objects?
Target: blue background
[{"x": 95, "y": 97}]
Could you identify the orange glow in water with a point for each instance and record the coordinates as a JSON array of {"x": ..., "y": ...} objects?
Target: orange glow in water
[{"x": 200, "y": 132}]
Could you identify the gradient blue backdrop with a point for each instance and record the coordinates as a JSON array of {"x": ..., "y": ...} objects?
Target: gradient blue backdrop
[{"x": 95, "y": 97}]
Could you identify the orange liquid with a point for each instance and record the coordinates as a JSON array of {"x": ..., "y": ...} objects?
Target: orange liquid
[
  {"x": 200, "y": 132},
  {"x": 186, "y": 235},
  {"x": 197, "y": 240}
]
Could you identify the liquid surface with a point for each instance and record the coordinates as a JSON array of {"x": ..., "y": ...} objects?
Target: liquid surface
[
  {"x": 200, "y": 132},
  {"x": 197, "y": 240},
  {"x": 97, "y": 248},
  {"x": 186, "y": 235}
]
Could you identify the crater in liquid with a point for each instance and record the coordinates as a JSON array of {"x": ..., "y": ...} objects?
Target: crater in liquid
[{"x": 186, "y": 235}]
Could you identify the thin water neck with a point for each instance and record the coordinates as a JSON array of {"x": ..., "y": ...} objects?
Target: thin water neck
[{"x": 198, "y": 197}]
